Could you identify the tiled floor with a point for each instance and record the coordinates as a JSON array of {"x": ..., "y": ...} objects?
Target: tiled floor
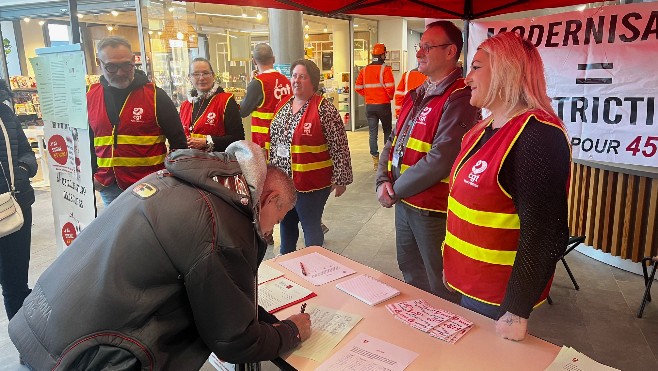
[{"x": 598, "y": 320}]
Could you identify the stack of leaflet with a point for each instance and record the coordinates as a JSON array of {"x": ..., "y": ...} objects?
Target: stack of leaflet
[
  {"x": 438, "y": 323},
  {"x": 368, "y": 289}
]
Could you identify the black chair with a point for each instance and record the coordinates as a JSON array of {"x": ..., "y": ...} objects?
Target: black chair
[
  {"x": 648, "y": 280},
  {"x": 571, "y": 244}
]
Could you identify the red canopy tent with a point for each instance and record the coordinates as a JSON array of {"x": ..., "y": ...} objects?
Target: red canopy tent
[{"x": 449, "y": 9}]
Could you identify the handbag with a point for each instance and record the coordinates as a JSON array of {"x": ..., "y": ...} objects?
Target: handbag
[{"x": 11, "y": 216}]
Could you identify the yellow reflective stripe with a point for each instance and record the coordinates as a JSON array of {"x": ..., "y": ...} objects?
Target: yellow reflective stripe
[
  {"x": 372, "y": 85},
  {"x": 484, "y": 218},
  {"x": 312, "y": 166},
  {"x": 193, "y": 135},
  {"x": 309, "y": 149},
  {"x": 419, "y": 145},
  {"x": 479, "y": 253},
  {"x": 130, "y": 161},
  {"x": 262, "y": 115},
  {"x": 130, "y": 139},
  {"x": 259, "y": 129}
]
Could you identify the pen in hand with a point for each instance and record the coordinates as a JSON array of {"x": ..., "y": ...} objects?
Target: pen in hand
[
  {"x": 303, "y": 309},
  {"x": 303, "y": 269}
]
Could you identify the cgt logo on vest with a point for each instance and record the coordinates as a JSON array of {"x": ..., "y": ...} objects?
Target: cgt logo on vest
[
  {"x": 137, "y": 114},
  {"x": 307, "y": 128},
  {"x": 422, "y": 118},
  {"x": 280, "y": 90},
  {"x": 476, "y": 170},
  {"x": 211, "y": 118}
]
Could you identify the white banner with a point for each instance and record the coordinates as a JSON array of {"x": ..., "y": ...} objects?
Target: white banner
[
  {"x": 61, "y": 82},
  {"x": 601, "y": 75}
]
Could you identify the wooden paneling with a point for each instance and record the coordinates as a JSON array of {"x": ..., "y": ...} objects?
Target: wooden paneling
[{"x": 615, "y": 212}]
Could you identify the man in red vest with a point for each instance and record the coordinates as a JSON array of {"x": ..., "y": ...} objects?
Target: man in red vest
[
  {"x": 416, "y": 161},
  {"x": 130, "y": 118},
  {"x": 264, "y": 93},
  {"x": 377, "y": 85}
]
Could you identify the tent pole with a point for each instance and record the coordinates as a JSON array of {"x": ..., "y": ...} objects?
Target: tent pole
[{"x": 467, "y": 23}]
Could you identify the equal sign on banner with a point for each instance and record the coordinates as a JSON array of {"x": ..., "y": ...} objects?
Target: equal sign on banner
[{"x": 594, "y": 80}]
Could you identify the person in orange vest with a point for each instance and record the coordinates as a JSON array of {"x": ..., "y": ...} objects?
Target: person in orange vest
[
  {"x": 210, "y": 117},
  {"x": 507, "y": 209},
  {"x": 416, "y": 160},
  {"x": 264, "y": 93},
  {"x": 410, "y": 80},
  {"x": 376, "y": 83},
  {"x": 130, "y": 118},
  {"x": 309, "y": 143}
]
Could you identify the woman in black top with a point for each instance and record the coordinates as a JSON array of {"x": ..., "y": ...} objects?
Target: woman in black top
[{"x": 15, "y": 247}]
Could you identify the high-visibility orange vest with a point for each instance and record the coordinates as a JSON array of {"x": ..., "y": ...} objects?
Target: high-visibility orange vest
[
  {"x": 434, "y": 198},
  {"x": 483, "y": 225},
  {"x": 140, "y": 148},
  {"x": 376, "y": 83},
  {"x": 410, "y": 80},
  {"x": 312, "y": 167},
  {"x": 210, "y": 122},
  {"x": 275, "y": 86}
]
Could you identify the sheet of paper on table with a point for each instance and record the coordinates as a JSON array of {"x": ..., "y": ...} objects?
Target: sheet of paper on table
[
  {"x": 281, "y": 293},
  {"x": 366, "y": 353},
  {"x": 572, "y": 360},
  {"x": 267, "y": 273},
  {"x": 367, "y": 289},
  {"x": 317, "y": 269},
  {"x": 328, "y": 328}
]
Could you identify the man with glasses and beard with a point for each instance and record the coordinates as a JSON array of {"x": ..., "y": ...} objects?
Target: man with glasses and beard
[
  {"x": 130, "y": 118},
  {"x": 416, "y": 160}
]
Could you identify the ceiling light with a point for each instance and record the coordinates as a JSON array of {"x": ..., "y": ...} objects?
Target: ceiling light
[
  {"x": 110, "y": 28},
  {"x": 259, "y": 16},
  {"x": 325, "y": 28},
  {"x": 114, "y": 13},
  {"x": 179, "y": 35},
  {"x": 159, "y": 33},
  {"x": 41, "y": 23},
  {"x": 80, "y": 15},
  {"x": 150, "y": 32},
  {"x": 356, "y": 25},
  {"x": 244, "y": 13},
  {"x": 171, "y": 10},
  {"x": 26, "y": 19},
  {"x": 306, "y": 36},
  {"x": 306, "y": 26}
]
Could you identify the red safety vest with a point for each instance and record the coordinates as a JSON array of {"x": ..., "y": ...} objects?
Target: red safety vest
[
  {"x": 312, "y": 167},
  {"x": 275, "y": 86},
  {"x": 376, "y": 83},
  {"x": 483, "y": 226},
  {"x": 434, "y": 198},
  {"x": 210, "y": 122},
  {"x": 140, "y": 148}
]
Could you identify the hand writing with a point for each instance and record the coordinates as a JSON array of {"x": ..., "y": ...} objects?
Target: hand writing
[{"x": 303, "y": 323}]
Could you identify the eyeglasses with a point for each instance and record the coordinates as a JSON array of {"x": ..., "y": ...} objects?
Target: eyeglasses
[
  {"x": 114, "y": 67},
  {"x": 300, "y": 76},
  {"x": 198, "y": 75},
  {"x": 426, "y": 48}
]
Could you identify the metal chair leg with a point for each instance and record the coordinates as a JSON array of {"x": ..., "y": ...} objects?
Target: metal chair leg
[
  {"x": 648, "y": 281},
  {"x": 573, "y": 279}
]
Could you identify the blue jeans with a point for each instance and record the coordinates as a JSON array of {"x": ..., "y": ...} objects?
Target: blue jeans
[
  {"x": 374, "y": 114},
  {"x": 308, "y": 210},
  {"x": 418, "y": 238},
  {"x": 14, "y": 264},
  {"x": 110, "y": 193},
  {"x": 477, "y": 306}
]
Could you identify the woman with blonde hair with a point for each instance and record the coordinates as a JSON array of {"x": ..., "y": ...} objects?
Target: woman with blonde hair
[{"x": 507, "y": 209}]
